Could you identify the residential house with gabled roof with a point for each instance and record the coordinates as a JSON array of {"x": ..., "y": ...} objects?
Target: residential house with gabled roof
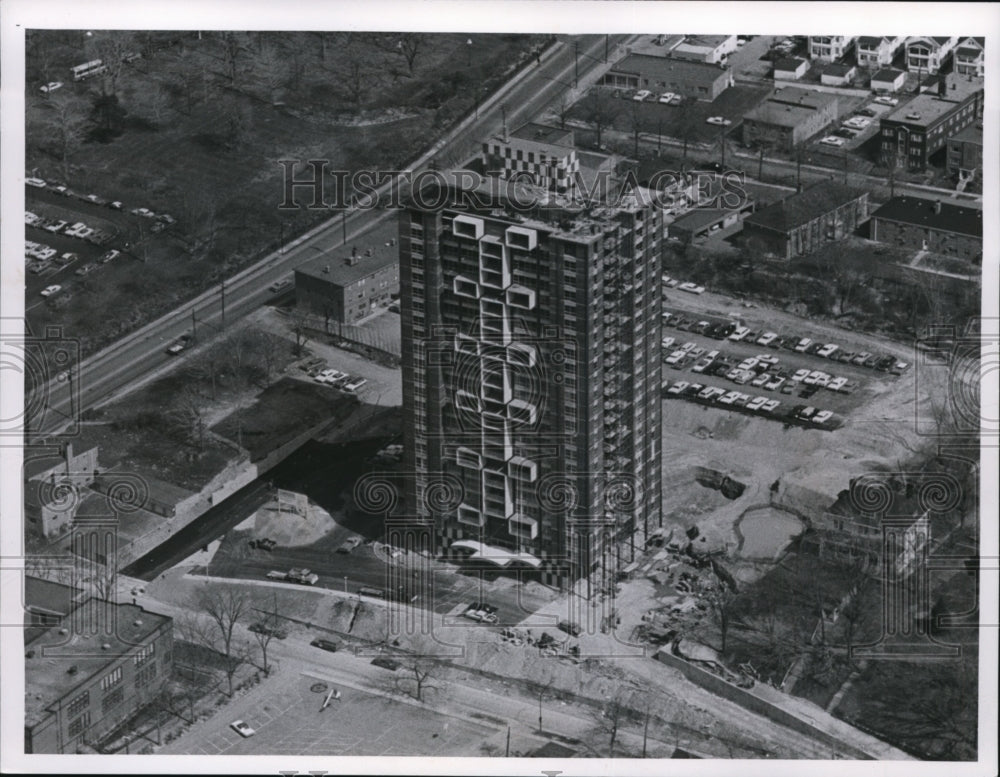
[
  {"x": 927, "y": 54},
  {"x": 970, "y": 57},
  {"x": 875, "y": 51},
  {"x": 829, "y": 47}
]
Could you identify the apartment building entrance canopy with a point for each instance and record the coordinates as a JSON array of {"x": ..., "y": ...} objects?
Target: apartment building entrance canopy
[{"x": 498, "y": 556}]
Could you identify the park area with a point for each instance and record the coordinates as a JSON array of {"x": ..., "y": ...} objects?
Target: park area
[{"x": 194, "y": 128}]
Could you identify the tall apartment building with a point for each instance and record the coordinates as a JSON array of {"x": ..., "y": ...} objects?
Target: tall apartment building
[{"x": 531, "y": 378}]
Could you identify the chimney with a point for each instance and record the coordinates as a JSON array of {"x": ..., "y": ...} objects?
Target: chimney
[
  {"x": 937, "y": 206},
  {"x": 943, "y": 87}
]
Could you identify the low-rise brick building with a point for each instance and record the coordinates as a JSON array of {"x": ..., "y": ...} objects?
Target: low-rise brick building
[
  {"x": 90, "y": 671},
  {"x": 805, "y": 221},
  {"x": 789, "y": 116},
  {"x": 930, "y": 225},
  {"x": 669, "y": 74},
  {"x": 965, "y": 153},
  {"x": 348, "y": 283}
]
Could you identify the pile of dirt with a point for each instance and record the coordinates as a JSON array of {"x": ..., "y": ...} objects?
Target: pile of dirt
[{"x": 292, "y": 525}]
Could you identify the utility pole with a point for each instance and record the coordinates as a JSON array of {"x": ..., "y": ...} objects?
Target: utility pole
[
  {"x": 194, "y": 325},
  {"x": 223, "y": 290},
  {"x": 576, "y": 63},
  {"x": 606, "y": 39},
  {"x": 508, "y": 742},
  {"x": 343, "y": 226}
]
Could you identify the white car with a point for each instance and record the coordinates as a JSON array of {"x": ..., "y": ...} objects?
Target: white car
[
  {"x": 769, "y": 406},
  {"x": 822, "y": 416},
  {"x": 767, "y": 338},
  {"x": 241, "y": 728},
  {"x": 837, "y": 384},
  {"x": 804, "y": 343},
  {"x": 702, "y": 365},
  {"x": 760, "y": 380},
  {"x": 675, "y": 357},
  {"x": 800, "y": 375},
  {"x": 748, "y": 363},
  {"x": 666, "y": 342},
  {"x": 729, "y": 398},
  {"x": 686, "y": 347},
  {"x": 828, "y": 350},
  {"x": 775, "y": 384},
  {"x": 740, "y": 333},
  {"x": 641, "y": 95},
  {"x": 38, "y": 183},
  {"x": 884, "y": 99},
  {"x": 857, "y": 122},
  {"x": 692, "y": 288},
  {"x": 30, "y": 218},
  {"x": 678, "y": 387},
  {"x": 766, "y": 358},
  {"x": 331, "y": 376},
  {"x": 666, "y": 97},
  {"x": 56, "y": 226},
  {"x": 832, "y": 140},
  {"x": 51, "y": 86},
  {"x": 48, "y": 291},
  {"x": 719, "y": 121},
  {"x": 353, "y": 385},
  {"x": 756, "y": 403}
]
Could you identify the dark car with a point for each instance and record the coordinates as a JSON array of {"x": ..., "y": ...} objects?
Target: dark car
[
  {"x": 885, "y": 363},
  {"x": 814, "y": 348},
  {"x": 843, "y": 356},
  {"x": 570, "y": 628},
  {"x": 386, "y": 663},
  {"x": 262, "y": 628},
  {"x": 326, "y": 644},
  {"x": 866, "y": 112},
  {"x": 789, "y": 342},
  {"x": 871, "y": 361},
  {"x": 843, "y": 133}
]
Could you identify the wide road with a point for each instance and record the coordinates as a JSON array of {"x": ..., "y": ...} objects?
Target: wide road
[{"x": 65, "y": 393}]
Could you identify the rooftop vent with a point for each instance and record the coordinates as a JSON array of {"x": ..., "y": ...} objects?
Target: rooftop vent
[
  {"x": 73, "y": 669},
  {"x": 106, "y": 646},
  {"x": 913, "y": 115},
  {"x": 326, "y": 269}
]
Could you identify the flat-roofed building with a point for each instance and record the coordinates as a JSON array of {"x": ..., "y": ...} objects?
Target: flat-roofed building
[
  {"x": 912, "y": 133},
  {"x": 713, "y": 49},
  {"x": 930, "y": 225},
  {"x": 805, "y": 221},
  {"x": 542, "y": 154},
  {"x": 965, "y": 153},
  {"x": 669, "y": 74},
  {"x": 91, "y": 671},
  {"x": 350, "y": 282},
  {"x": 789, "y": 116}
]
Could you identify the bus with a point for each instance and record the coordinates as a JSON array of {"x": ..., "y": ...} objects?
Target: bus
[
  {"x": 377, "y": 593},
  {"x": 88, "y": 69}
]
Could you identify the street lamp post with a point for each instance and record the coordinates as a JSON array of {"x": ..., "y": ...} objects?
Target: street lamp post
[{"x": 468, "y": 49}]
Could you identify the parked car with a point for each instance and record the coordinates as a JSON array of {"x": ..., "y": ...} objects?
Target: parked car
[
  {"x": 837, "y": 384},
  {"x": 884, "y": 99},
  {"x": 767, "y": 338},
  {"x": 38, "y": 183},
  {"x": 67, "y": 258},
  {"x": 678, "y": 387},
  {"x": 112, "y": 254},
  {"x": 86, "y": 269},
  {"x": 666, "y": 97},
  {"x": 175, "y": 349},
  {"x": 692, "y": 288},
  {"x": 349, "y": 544},
  {"x": 642, "y": 94},
  {"x": 760, "y": 380},
  {"x": 804, "y": 343},
  {"x": 860, "y": 358},
  {"x": 756, "y": 403},
  {"x": 49, "y": 291},
  {"x": 262, "y": 628},
  {"x": 55, "y": 226},
  {"x": 800, "y": 375},
  {"x": 822, "y": 416},
  {"x": 828, "y": 350},
  {"x": 279, "y": 285},
  {"x": 570, "y": 628},
  {"x": 51, "y": 86},
  {"x": 775, "y": 384},
  {"x": 844, "y": 133},
  {"x": 739, "y": 333},
  {"x": 866, "y": 112},
  {"x": 386, "y": 663},
  {"x": 325, "y": 644},
  {"x": 241, "y": 728},
  {"x": 719, "y": 121},
  {"x": 832, "y": 140},
  {"x": 353, "y": 385}
]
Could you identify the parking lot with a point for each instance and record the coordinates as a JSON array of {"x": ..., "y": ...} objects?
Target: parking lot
[
  {"x": 783, "y": 374},
  {"x": 285, "y": 714}
]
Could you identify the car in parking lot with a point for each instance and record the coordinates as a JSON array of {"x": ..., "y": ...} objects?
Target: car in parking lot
[
  {"x": 843, "y": 356},
  {"x": 827, "y": 350},
  {"x": 642, "y": 94},
  {"x": 38, "y": 183},
  {"x": 702, "y": 365},
  {"x": 756, "y": 403},
  {"x": 86, "y": 269},
  {"x": 51, "y": 86},
  {"x": 678, "y": 387},
  {"x": 870, "y": 362},
  {"x": 667, "y": 342},
  {"x": 800, "y": 375},
  {"x": 822, "y": 416},
  {"x": 49, "y": 291},
  {"x": 55, "y": 226},
  {"x": 353, "y": 385},
  {"x": 692, "y": 288},
  {"x": 386, "y": 663},
  {"x": 67, "y": 258},
  {"x": 844, "y": 132},
  {"x": 695, "y": 352},
  {"x": 899, "y": 368},
  {"x": 37, "y": 268},
  {"x": 674, "y": 357},
  {"x": 741, "y": 399},
  {"x": 760, "y": 380},
  {"x": 775, "y": 383},
  {"x": 739, "y": 333},
  {"x": 859, "y": 359},
  {"x": 866, "y": 112},
  {"x": 331, "y": 377},
  {"x": 806, "y": 413},
  {"x": 767, "y": 338},
  {"x": 749, "y": 363},
  {"x": 885, "y": 363},
  {"x": 729, "y": 398},
  {"x": 719, "y": 121},
  {"x": 481, "y": 616},
  {"x": 112, "y": 254},
  {"x": 770, "y": 406},
  {"x": 832, "y": 140},
  {"x": 857, "y": 122},
  {"x": 241, "y": 728},
  {"x": 573, "y": 629},
  {"x": 804, "y": 343},
  {"x": 884, "y": 99},
  {"x": 837, "y": 384},
  {"x": 767, "y": 358},
  {"x": 666, "y": 97}
]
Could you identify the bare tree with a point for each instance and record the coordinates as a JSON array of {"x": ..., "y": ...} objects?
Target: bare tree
[
  {"x": 190, "y": 415},
  {"x": 234, "y": 49},
  {"x": 613, "y": 716},
  {"x": 721, "y": 601},
  {"x": 153, "y": 101},
  {"x": 635, "y": 122},
  {"x": 66, "y": 124},
  {"x": 272, "y": 68},
  {"x": 267, "y": 632},
  {"x": 114, "y": 49},
  {"x": 599, "y": 109},
  {"x": 356, "y": 81},
  {"x": 217, "y": 610},
  {"x": 300, "y": 328},
  {"x": 421, "y": 671},
  {"x": 409, "y": 47}
]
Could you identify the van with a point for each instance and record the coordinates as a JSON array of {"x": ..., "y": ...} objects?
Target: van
[{"x": 377, "y": 593}]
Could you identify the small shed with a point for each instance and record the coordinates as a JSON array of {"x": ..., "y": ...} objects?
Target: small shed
[
  {"x": 838, "y": 75},
  {"x": 888, "y": 80},
  {"x": 791, "y": 69}
]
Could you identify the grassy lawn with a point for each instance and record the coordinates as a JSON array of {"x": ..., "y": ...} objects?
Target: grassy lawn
[{"x": 195, "y": 129}]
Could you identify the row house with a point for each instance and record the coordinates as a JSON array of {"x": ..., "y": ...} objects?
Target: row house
[
  {"x": 829, "y": 47},
  {"x": 878, "y": 50},
  {"x": 926, "y": 55},
  {"x": 969, "y": 57}
]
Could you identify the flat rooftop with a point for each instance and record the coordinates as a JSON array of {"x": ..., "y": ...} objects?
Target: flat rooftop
[
  {"x": 923, "y": 213},
  {"x": 802, "y": 207},
  {"x": 542, "y": 133},
  {"x": 669, "y": 67},
  {"x": 971, "y": 134},
  {"x": 332, "y": 266},
  {"x": 928, "y": 107},
  {"x": 47, "y": 675},
  {"x": 789, "y": 106}
]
